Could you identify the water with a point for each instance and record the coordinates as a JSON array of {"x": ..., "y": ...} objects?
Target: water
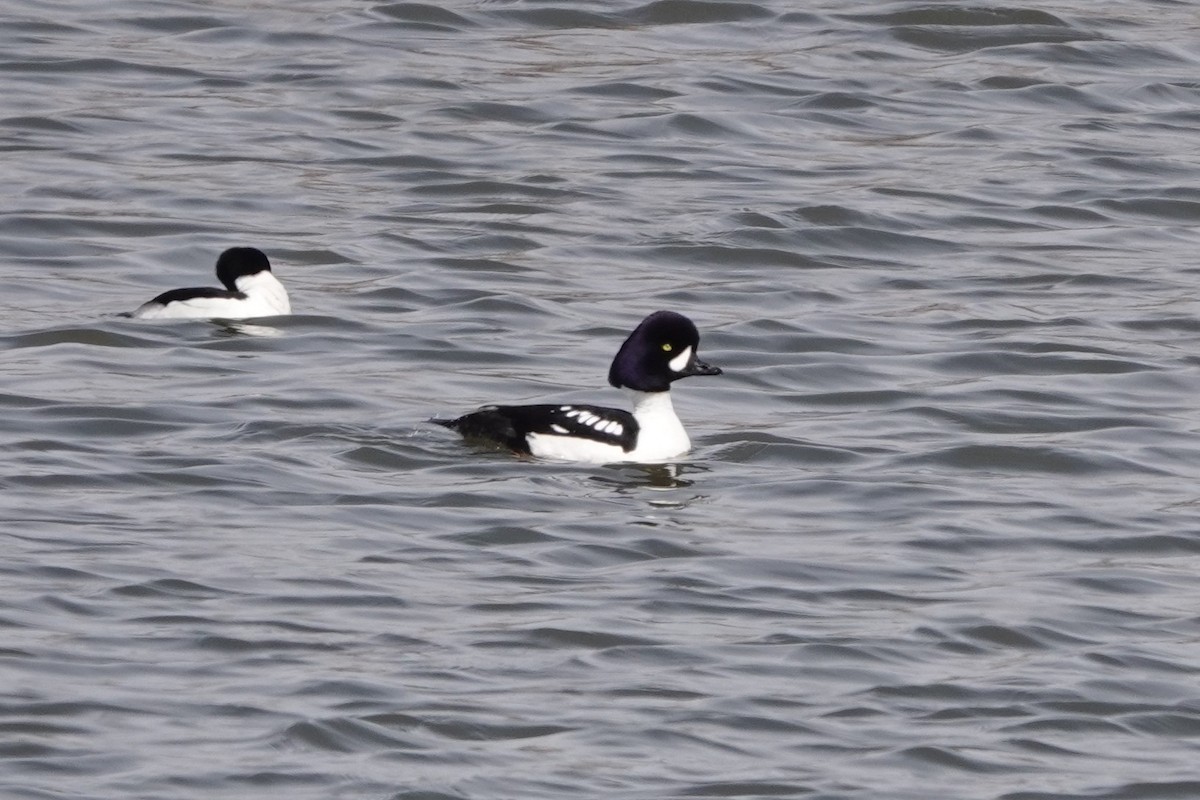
[{"x": 938, "y": 537}]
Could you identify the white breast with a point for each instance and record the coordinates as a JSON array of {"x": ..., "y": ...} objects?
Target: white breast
[
  {"x": 660, "y": 433},
  {"x": 265, "y": 294}
]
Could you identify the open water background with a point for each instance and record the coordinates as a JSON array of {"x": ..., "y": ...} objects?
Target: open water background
[{"x": 940, "y": 533}]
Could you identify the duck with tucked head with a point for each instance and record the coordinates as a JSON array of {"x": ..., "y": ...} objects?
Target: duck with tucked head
[
  {"x": 251, "y": 290},
  {"x": 660, "y": 351}
]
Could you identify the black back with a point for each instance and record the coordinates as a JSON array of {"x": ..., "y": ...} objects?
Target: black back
[
  {"x": 179, "y": 295},
  {"x": 510, "y": 425}
]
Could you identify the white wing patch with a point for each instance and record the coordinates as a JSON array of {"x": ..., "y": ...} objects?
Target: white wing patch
[{"x": 597, "y": 422}]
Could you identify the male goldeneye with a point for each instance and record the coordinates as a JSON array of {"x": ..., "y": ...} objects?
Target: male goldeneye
[
  {"x": 660, "y": 350},
  {"x": 250, "y": 291}
]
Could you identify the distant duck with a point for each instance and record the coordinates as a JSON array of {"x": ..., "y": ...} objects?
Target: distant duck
[
  {"x": 662, "y": 349},
  {"x": 251, "y": 290}
]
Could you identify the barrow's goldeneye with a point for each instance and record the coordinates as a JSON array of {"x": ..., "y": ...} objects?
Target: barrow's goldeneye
[{"x": 662, "y": 349}]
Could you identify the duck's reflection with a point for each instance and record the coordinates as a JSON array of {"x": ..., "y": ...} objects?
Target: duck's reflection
[
  {"x": 655, "y": 477},
  {"x": 236, "y": 327}
]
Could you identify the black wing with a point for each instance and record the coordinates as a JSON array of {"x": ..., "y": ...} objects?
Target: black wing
[
  {"x": 511, "y": 425},
  {"x": 179, "y": 295}
]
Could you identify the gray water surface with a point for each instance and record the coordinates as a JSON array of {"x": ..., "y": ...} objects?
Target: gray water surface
[{"x": 939, "y": 535}]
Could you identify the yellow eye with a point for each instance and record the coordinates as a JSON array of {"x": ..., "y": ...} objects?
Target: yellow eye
[{"x": 666, "y": 347}]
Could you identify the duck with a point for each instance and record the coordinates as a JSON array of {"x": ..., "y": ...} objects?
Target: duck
[
  {"x": 661, "y": 350},
  {"x": 251, "y": 290}
]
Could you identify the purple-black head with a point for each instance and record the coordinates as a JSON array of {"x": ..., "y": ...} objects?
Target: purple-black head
[
  {"x": 237, "y": 262},
  {"x": 660, "y": 350}
]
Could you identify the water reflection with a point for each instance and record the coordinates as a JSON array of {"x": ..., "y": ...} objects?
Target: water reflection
[
  {"x": 656, "y": 477},
  {"x": 237, "y": 327}
]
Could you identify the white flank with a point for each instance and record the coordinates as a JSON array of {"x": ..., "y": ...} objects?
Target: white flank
[{"x": 573, "y": 448}]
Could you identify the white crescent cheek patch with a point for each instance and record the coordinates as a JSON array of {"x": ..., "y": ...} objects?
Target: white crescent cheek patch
[{"x": 680, "y": 361}]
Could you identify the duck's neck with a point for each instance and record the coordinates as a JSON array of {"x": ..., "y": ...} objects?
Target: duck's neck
[{"x": 660, "y": 433}]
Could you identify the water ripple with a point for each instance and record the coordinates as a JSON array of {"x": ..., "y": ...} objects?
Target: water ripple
[{"x": 937, "y": 534}]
